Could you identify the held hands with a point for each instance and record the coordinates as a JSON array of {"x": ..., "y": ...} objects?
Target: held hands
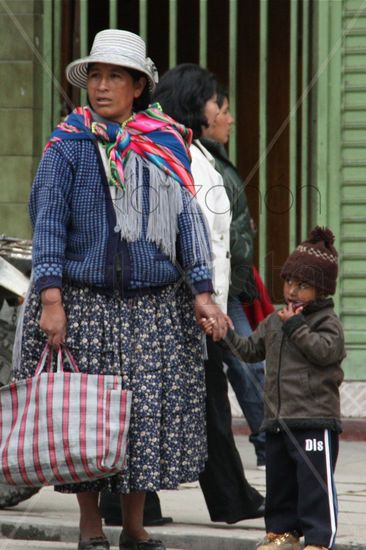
[
  {"x": 289, "y": 311},
  {"x": 53, "y": 317},
  {"x": 208, "y": 312},
  {"x": 207, "y": 325}
]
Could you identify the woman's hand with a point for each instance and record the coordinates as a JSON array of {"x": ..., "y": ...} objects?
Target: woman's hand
[
  {"x": 53, "y": 317},
  {"x": 206, "y": 309},
  {"x": 289, "y": 311}
]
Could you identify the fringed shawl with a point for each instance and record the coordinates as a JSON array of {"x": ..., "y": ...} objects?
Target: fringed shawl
[
  {"x": 151, "y": 134},
  {"x": 149, "y": 139}
]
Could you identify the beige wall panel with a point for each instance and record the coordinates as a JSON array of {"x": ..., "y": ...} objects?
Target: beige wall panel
[
  {"x": 17, "y": 124},
  {"x": 15, "y": 178},
  {"x": 13, "y": 44},
  {"x": 18, "y": 7},
  {"x": 19, "y": 91},
  {"x": 14, "y": 221}
]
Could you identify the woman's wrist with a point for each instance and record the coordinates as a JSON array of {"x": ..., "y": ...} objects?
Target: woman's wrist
[
  {"x": 204, "y": 298},
  {"x": 51, "y": 297}
]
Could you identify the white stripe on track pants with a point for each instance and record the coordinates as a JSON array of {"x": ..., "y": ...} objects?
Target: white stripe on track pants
[{"x": 301, "y": 494}]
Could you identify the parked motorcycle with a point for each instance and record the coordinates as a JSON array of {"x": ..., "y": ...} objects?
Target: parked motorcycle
[{"x": 15, "y": 268}]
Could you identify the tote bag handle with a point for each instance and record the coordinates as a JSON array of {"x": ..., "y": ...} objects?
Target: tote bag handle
[{"x": 45, "y": 362}]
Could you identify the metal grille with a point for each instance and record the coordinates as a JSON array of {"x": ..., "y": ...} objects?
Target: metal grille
[{"x": 259, "y": 49}]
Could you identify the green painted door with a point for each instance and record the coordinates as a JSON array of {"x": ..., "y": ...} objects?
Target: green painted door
[{"x": 353, "y": 186}]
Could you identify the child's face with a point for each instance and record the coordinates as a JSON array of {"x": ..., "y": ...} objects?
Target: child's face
[{"x": 298, "y": 293}]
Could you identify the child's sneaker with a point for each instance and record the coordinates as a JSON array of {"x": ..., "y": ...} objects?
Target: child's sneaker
[{"x": 280, "y": 541}]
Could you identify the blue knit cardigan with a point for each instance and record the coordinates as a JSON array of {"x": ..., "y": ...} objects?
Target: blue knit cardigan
[{"x": 76, "y": 237}]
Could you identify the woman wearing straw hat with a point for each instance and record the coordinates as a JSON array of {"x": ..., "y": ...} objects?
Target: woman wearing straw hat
[{"x": 120, "y": 266}]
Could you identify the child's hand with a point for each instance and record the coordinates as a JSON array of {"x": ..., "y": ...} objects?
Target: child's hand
[
  {"x": 205, "y": 308},
  {"x": 207, "y": 325},
  {"x": 289, "y": 311}
]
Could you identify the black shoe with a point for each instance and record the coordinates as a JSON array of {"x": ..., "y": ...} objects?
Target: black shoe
[
  {"x": 129, "y": 543},
  {"x": 97, "y": 543},
  {"x": 259, "y": 513}
]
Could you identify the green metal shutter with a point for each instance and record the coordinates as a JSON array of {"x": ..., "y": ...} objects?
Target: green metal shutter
[{"x": 353, "y": 187}]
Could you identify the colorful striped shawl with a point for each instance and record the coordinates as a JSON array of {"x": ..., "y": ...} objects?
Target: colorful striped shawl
[{"x": 150, "y": 133}]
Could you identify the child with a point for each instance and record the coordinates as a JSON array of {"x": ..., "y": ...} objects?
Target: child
[{"x": 303, "y": 346}]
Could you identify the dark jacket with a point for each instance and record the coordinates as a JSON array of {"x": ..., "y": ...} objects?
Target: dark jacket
[
  {"x": 241, "y": 233},
  {"x": 303, "y": 373}
]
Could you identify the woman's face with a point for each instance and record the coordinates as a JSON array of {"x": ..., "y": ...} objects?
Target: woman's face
[
  {"x": 221, "y": 130},
  {"x": 210, "y": 111},
  {"x": 112, "y": 90}
]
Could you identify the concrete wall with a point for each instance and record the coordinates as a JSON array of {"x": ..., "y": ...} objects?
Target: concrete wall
[{"x": 18, "y": 20}]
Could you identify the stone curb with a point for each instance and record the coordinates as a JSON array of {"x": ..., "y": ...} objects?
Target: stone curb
[{"x": 184, "y": 537}]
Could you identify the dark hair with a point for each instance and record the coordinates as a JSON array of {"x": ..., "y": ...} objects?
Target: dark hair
[
  {"x": 141, "y": 103},
  {"x": 222, "y": 94},
  {"x": 183, "y": 93}
]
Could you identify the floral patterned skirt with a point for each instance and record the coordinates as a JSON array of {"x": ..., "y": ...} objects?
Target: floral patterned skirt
[{"x": 154, "y": 342}]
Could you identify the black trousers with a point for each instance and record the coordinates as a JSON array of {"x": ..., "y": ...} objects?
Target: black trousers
[
  {"x": 301, "y": 494},
  {"x": 229, "y": 497}
]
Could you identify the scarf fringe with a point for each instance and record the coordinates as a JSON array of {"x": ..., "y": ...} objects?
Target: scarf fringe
[
  {"x": 166, "y": 204},
  {"x": 129, "y": 202}
]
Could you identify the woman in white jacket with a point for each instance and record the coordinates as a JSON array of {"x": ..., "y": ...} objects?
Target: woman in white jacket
[
  {"x": 212, "y": 198},
  {"x": 188, "y": 94}
]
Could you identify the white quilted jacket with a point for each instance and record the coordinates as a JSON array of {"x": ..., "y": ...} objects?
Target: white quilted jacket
[{"x": 214, "y": 202}]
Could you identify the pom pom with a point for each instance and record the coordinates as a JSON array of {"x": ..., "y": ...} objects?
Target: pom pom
[{"x": 322, "y": 234}]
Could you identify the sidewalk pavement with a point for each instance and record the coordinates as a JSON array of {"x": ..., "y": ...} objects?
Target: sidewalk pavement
[{"x": 50, "y": 520}]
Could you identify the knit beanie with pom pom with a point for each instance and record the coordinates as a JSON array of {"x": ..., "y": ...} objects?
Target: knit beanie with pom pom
[{"x": 315, "y": 261}]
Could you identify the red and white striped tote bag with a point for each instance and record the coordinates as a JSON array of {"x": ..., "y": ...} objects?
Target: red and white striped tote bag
[{"x": 62, "y": 427}]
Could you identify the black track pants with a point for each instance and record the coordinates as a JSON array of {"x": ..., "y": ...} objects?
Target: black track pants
[{"x": 301, "y": 493}]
